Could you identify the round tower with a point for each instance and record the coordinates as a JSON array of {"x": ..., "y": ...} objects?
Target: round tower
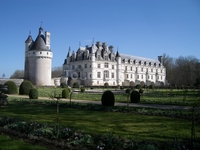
[
  {"x": 40, "y": 60},
  {"x": 118, "y": 71}
]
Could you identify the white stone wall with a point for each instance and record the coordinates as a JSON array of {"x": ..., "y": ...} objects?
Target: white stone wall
[{"x": 40, "y": 65}]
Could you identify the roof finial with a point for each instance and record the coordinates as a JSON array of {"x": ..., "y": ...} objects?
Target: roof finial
[
  {"x": 29, "y": 32},
  {"x": 41, "y": 24},
  {"x": 92, "y": 41},
  {"x": 79, "y": 44}
]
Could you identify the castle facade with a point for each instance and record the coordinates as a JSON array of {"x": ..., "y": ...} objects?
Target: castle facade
[{"x": 98, "y": 64}]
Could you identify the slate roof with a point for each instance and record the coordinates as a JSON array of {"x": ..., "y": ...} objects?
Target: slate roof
[
  {"x": 123, "y": 56},
  {"x": 29, "y": 39}
]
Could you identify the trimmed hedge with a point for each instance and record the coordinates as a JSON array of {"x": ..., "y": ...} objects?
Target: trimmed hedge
[
  {"x": 25, "y": 87},
  {"x": 33, "y": 94},
  {"x": 65, "y": 93},
  {"x": 108, "y": 98},
  {"x": 12, "y": 87},
  {"x": 135, "y": 97}
]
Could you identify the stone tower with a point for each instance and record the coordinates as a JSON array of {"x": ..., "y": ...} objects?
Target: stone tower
[{"x": 38, "y": 59}]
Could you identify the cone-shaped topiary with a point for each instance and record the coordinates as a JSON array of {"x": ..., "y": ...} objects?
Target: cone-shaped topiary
[
  {"x": 12, "y": 87},
  {"x": 76, "y": 85},
  {"x": 63, "y": 85},
  {"x": 135, "y": 97},
  {"x": 65, "y": 93},
  {"x": 33, "y": 94},
  {"x": 25, "y": 87},
  {"x": 108, "y": 98}
]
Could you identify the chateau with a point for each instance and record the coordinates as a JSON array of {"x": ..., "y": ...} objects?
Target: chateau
[
  {"x": 90, "y": 66},
  {"x": 98, "y": 64},
  {"x": 38, "y": 59}
]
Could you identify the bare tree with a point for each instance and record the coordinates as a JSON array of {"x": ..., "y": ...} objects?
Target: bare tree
[
  {"x": 18, "y": 74},
  {"x": 56, "y": 72}
]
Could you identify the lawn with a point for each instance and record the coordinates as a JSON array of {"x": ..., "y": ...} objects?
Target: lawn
[
  {"x": 126, "y": 125},
  {"x": 158, "y": 96},
  {"x": 7, "y": 143}
]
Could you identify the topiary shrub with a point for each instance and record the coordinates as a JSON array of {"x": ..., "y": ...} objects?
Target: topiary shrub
[
  {"x": 33, "y": 94},
  {"x": 135, "y": 97},
  {"x": 63, "y": 85},
  {"x": 82, "y": 90},
  {"x": 76, "y": 85},
  {"x": 106, "y": 85},
  {"x": 12, "y": 87},
  {"x": 128, "y": 91},
  {"x": 25, "y": 87},
  {"x": 65, "y": 93},
  {"x": 138, "y": 86},
  {"x": 108, "y": 99}
]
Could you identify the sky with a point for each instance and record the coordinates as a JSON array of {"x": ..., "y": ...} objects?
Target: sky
[{"x": 145, "y": 28}]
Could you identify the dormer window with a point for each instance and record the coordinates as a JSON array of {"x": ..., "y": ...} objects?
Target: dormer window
[{"x": 106, "y": 58}]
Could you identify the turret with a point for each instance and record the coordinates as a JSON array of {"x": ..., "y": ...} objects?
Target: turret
[
  {"x": 118, "y": 71},
  {"x": 47, "y": 39}
]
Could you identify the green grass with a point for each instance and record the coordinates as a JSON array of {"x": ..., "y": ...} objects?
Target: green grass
[
  {"x": 130, "y": 126},
  {"x": 7, "y": 143},
  {"x": 152, "y": 96}
]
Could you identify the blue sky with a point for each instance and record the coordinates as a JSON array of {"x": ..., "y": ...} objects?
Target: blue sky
[{"x": 146, "y": 28}]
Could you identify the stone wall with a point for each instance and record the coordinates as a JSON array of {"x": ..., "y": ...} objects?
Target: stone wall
[{"x": 17, "y": 81}]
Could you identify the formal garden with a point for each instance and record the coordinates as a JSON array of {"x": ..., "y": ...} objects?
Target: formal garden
[{"x": 48, "y": 118}]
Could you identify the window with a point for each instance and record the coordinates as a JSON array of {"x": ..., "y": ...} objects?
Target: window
[
  {"x": 73, "y": 67},
  {"x": 33, "y": 52},
  {"x": 151, "y": 77},
  {"x": 85, "y": 65},
  {"x": 127, "y": 76},
  {"x": 113, "y": 67},
  {"x": 85, "y": 74},
  {"x": 148, "y": 77},
  {"x": 161, "y": 71},
  {"x": 131, "y": 68},
  {"x": 141, "y": 69},
  {"x": 151, "y": 70},
  {"x": 113, "y": 75},
  {"x": 147, "y": 69},
  {"x": 125, "y": 68},
  {"x": 98, "y": 74},
  {"x": 138, "y": 76},
  {"x": 40, "y": 52},
  {"x": 97, "y": 82},
  {"x": 131, "y": 76},
  {"x": 99, "y": 65},
  {"x": 161, "y": 77},
  {"x": 142, "y": 76},
  {"x": 99, "y": 57},
  {"x": 106, "y": 65},
  {"x": 79, "y": 74},
  {"x": 79, "y": 66},
  {"x": 106, "y": 58},
  {"x": 158, "y": 77},
  {"x": 112, "y": 59},
  {"x": 106, "y": 74}
]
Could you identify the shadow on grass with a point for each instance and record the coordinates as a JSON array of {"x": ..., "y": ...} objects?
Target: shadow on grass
[{"x": 131, "y": 126}]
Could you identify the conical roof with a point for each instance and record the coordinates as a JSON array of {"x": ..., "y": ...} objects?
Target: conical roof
[
  {"x": 39, "y": 44},
  {"x": 29, "y": 39}
]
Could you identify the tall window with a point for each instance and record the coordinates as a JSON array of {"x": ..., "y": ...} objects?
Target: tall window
[
  {"x": 113, "y": 67},
  {"x": 113, "y": 75},
  {"x": 85, "y": 74},
  {"x": 106, "y": 74},
  {"x": 141, "y": 69},
  {"x": 98, "y": 74},
  {"x": 85, "y": 65},
  {"x": 125, "y": 68},
  {"x": 127, "y": 76},
  {"x": 99, "y": 66},
  {"x": 106, "y": 65},
  {"x": 131, "y": 68},
  {"x": 142, "y": 76}
]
